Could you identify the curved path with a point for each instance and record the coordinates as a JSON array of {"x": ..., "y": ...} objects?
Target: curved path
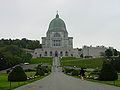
[{"x": 59, "y": 81}]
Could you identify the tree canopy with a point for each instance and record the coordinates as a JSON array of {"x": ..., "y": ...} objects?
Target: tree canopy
[
  {"x": 17, "y": 74},
  {"x": 3, "y": 61},
  {"x": 108, "y": 73},
  {"x": 11, "y": 55},
  {"x": 108, "y": 53},
  {"x": 23, "y": 43},
  {"x": 111, "y": 52}
]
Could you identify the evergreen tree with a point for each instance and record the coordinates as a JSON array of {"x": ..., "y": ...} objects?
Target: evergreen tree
[
  {"x": 3, "y": 62},
  {"x": 17, "y": 75},
  {"x": 115, "y": 52},
  {"x": 116, "y": 63},
  {"x": 108, "y": 53},
  {"x": 107, "y": 72},
  {"x": 13, "y": 55},
  {"x": 40, "y": 71},
  {"x": 23, "y": 43}
]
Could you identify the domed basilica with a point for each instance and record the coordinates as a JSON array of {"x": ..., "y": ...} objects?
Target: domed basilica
[{"x": 56, "y": 42}]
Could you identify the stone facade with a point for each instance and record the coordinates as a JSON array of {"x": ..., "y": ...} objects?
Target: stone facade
[
  {"x": 60, "y": 52},
  {"x": 57, "y": 39},
  {"x": 89, "y": 51}
]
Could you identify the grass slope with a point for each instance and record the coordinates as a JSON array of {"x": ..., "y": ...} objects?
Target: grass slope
[
  {"x": 5, "y": 85},
  {"x": 46, "y": 60},
  {"x": 115, "y": 83},
  {"x": 87, "y": 63}
]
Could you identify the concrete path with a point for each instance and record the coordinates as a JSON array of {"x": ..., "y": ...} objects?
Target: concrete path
[{"x": 59, "y": 81}]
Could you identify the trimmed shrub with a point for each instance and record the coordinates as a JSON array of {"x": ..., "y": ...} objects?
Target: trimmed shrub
[
  {"x": 40, "y": 72},
  {"x": 94, "y": 74},
  {"x": 75, "y": 73},
  {"x": 46, "y": 70},
  {"x": 17, "y": 75},
  {"x": 39, "y": 66},
  {"x": 107, "y": 72},
  {"x": 68, "y": 70},
  {"x": 116, "y": 63}
]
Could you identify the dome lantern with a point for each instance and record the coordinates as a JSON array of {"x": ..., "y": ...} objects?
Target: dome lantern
[{"x": 57, "y": 16}]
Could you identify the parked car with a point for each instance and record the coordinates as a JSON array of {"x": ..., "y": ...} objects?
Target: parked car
[{"x": 26, "y": 63}]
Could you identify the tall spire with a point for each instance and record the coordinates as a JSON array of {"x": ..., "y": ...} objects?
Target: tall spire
[{"x": 57, "y": 16}]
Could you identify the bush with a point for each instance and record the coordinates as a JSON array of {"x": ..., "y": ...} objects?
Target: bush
[
  {"x": 49, "y": 69},
  {"x": 39, "y": 66},
  {"x": 108, "y": 73},
  {"x": 75, "y": 73},
  {"x": 116, "y": 63},
  {"x": 12, "y": 55},
  {"x": 94, "y": 74},
  {"x": 68, "y": 70},
  {"x": 40, "y": 72},
  {"x": 46, "y": 70},
  {"x": 3, "y": 62},
  {"x": 17, "y": 74}
]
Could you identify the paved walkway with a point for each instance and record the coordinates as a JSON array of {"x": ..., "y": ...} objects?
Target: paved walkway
[{"x": 59, "y": 81}]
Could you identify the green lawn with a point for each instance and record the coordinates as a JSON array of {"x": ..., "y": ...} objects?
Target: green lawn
[
  {"x": 29, "y": 74},
  {"x": 87, "y": 63},
  {"x": 116, "y": 83},
  {"x": 46, "y": 60},
  {"x": 5, "y": 85},
  {"x": 68, "y": 58}
]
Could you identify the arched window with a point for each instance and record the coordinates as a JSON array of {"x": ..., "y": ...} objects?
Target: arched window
[
  {"x": 40, "y": 55},
  {"x": 50, "y": 53},
  {"x": 61, "y": 53},
  {"x": 66, "y": 53},
  {"x": 57, "y": 35},
  {"x": 45, "y": 53}
]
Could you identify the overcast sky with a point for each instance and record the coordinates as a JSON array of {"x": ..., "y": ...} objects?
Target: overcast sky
[{"x": 89, "y": 22}]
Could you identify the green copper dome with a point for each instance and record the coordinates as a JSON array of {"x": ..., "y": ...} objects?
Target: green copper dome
[{"x": 57, "y": 23}]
